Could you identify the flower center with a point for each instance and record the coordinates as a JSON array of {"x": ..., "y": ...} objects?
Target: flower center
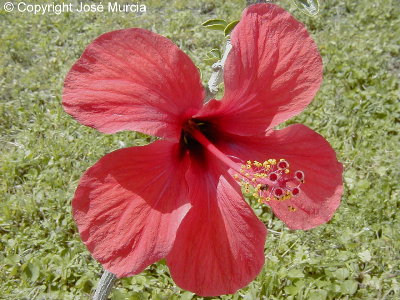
[
  {"x": 270, "y": 180},
  {"x": 189, "y": 142}
]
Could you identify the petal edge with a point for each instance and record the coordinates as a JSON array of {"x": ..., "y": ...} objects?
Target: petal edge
[
  {"x": 133, "y": 79},
  {"x": 129, "y": 205}
]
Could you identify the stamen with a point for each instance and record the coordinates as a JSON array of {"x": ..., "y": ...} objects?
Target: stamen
[
  {"x": 299, "y": 175},
  {"x": 295, "y": 191},
  {"x": 278, "y": 193},
  {"x": 273, "y": 177},
  {"x": 270, "y": 180},
  {"x": 283, "y": 164}
]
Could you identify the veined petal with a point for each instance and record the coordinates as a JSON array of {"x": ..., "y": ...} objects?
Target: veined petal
[
  {"x": 219, "y": 246},
  {"x": 129, "y": 205},
  {"x": 133, "y": 79},
  {"x": 309, "y": 152},
  {"x": 272, "y": 72}
]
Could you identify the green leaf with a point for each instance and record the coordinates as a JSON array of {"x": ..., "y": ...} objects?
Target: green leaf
[
  {"x": 295, "y": 273},
  {"x": 211, "y": 61},
  {"x": 215, "y": 24},
  {"x": 139, "y": 280},
  {"x": 365, "y": 256},
  {"x": 228, "y": 29},
  {"x": 31, "y": 271},
  {"x": 318, "y": 295},
  {"x": 363, "y": 184},
  {"x": 214, "y": 53},
  {"x": 35, "y": 272},
  {"x": 349, "y": 287},
  {"x": 212, "y": 57},
  {"x": 12, "y": 259},
  {"x": 118, "y": 294},
  {"x": 186, "y": 296},
  {"x": 341, "y": 274},
  {"x": 309, "y": 7},
  {"x": 292, "y": 290},
  {"x": 84, "y": 283}
]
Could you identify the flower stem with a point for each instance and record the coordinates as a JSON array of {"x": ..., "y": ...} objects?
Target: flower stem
[
  {"x": 218, "y": 72},
  {"x": 104, "y": 286}
]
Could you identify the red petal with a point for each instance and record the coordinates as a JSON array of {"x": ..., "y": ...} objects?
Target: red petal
[
  {"x": 219, "y": 246},
  {"x": 309, "y": 152},
  {"x": 133, "y": 79},
  {"x": 272, "y": 73},
  {"x": 129, "y": 205}
]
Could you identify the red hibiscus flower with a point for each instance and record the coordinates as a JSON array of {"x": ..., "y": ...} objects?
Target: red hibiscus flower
[{"x": 178, "y": 198}]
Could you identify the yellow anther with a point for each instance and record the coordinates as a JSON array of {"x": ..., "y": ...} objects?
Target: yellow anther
[
  {"x": 291, "y": 208},
  {"x": 257, "y": 163},
  {"x": 270, "y": 180}
]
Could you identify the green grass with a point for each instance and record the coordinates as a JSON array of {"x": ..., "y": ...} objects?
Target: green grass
[{"x": 44, "y": 152}]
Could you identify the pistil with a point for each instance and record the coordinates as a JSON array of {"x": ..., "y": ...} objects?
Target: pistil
[{"x": 198, "y": 136}]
